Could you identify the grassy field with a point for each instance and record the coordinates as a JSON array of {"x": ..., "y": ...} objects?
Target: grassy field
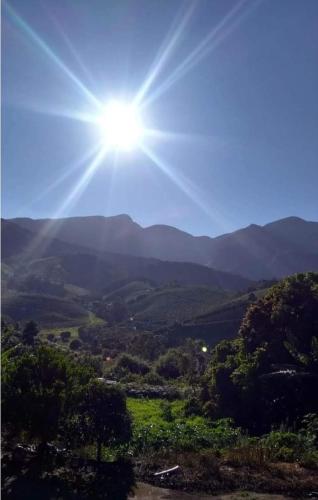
[
  {"x": 91, "y": 320},
  {"x": 152, "y": 410}
]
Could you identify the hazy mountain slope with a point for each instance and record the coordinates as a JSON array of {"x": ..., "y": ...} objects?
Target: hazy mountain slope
[
  {"x": 257, "y": 252},
  {"x": 303, "y": 235},
  {"x": 17, "y": 240},
  {"x": 278, "y": 249},
  {"x": 71, "y": 264},
  {"x": 45, "y": 309},
  {"x": 120, "y": 234}
]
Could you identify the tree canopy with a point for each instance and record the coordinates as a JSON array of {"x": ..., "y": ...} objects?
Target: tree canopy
[
  {"x": 36, "y": 388},
  {"x": 269, "y": 375},
  {"x": 102, "y": 416}
]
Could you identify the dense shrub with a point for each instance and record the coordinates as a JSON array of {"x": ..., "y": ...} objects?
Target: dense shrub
[
  {"x": 269, "y": 375},
  {"x": 172, "y": 364},
  {"x": 130, "y": 364},
  {"x": 65, "y": 336},
  {"x": 75, "y": 345},
  {"x": 37, "y": 385},
  {"x": 153, "y": 378}
]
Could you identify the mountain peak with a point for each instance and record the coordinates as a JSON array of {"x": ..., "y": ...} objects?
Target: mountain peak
[{"x": 287, "y": 221}]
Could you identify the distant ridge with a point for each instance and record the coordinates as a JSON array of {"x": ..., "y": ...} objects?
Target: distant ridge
[
  {"x": 256, "y": 252},
  {"x": 56, "y": 260}
]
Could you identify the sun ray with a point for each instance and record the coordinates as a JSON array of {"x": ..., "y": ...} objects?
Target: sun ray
[
  {"x": 83, "y": 182},
  {"x": 69, "y": 44},
  {"x": 43, "y": 46},
  {"x": 165, "y": 53},
  {"x": 184, "y": 184},
  {"x": 39, "y": 241},
  {"x": 168, "y": 135},
  {"x": 55, "y": 111},
  {"x": 223, "y": 29},
  {"x": 76, "y": 165}
]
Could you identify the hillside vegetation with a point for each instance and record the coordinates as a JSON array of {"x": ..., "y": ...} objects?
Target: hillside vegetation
[{"x": 247, "y": 404}]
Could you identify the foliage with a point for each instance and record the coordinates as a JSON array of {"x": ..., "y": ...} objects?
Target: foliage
[
  {"x": 101, "y": 416},
  {"x": 30, "y": 332},
  {"x": 285, "y": 323},
  {"x": 75, "y": 344},
  {"x": 188, "y": 361},
  {"x": 130, "y": 364},
  {"x": 148, "y": 346},
  {"x": 153, "y": 378},
  {"x": 65, "y": 336},
  {"x": 10, "y": 335},
  {"x": 269, "y": 374},
  {"x": 158, "y": 425},
  {"x": 36, "y": 390}
]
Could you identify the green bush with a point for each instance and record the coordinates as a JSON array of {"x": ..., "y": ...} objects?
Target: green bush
[
  {"x": 173, "y": 364},
  {"x": 166, "y": 411},
  {"x": 131, "y": 364},
  {"x": 284, "y": 446},
  {"x": 75, "y": 345},
  {"x": 192, "y": 407},
  {"x": 153, "y": 378},
  {"x": 183, "y": 435},
  {"x": 65, "y": 336}
]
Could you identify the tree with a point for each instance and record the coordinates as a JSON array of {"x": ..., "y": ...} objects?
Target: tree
[
  {"x": 127, "y": 363},
  {"x": 30, "y": 332},
  {"x": 169, "y": 364},
  {"x": 284, "y": 323},
  {"x": 269, "y": 375},
  {"x": 65, "y": 336},
  {"x": 37, "y": 388},
  {"x": 102, "y": 416},
  {"x": 10, "y": 335},
  {"x": 75, "y": 344}
]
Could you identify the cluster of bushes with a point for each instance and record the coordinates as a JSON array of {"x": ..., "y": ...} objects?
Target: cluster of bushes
[
  {"x": 159, "y": 425},
  {"x": 49, "y": 396},
  {"x": 269, "y": 374},
  {"x": 185, "y": 363}
]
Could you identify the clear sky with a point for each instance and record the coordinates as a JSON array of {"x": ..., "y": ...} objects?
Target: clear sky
[{"x": 233, "y": 82}]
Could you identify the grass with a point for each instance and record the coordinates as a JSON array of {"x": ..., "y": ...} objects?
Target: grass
[
  {"x": 152, "y": 410},
  {"x": 57, "y": 330},
  {"x": 92, "y": 320},
  {"x": 158, "y": 424}
]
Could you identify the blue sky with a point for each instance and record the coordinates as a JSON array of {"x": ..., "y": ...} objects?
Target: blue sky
[{"x": 244, "y": 113}]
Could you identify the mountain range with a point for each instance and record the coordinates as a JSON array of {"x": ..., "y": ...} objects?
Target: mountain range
[
  {"x": 61, "y": 272},
  {"x": 255, "y": 252}
]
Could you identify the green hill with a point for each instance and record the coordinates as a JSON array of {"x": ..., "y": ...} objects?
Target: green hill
[
  {"x": 44, "y": 309},
  {"x": 171, "y": 304},
  {"x": 221, "y": 321}
]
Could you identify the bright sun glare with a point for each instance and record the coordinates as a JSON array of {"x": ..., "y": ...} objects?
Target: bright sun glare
[{"x": 120, "y": 126}]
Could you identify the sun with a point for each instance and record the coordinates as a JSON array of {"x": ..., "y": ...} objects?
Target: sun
[{"x": 120, "y": 126}]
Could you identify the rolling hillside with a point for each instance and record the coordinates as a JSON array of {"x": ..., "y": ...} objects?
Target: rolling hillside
[
  {"x": 56, "y": 283},
  {"x": 221, "y": 321},
  {"x": 62, "y": 262}
]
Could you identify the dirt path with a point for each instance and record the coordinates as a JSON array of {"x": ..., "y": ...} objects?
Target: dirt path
[{"x": 146, "y": 491}]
